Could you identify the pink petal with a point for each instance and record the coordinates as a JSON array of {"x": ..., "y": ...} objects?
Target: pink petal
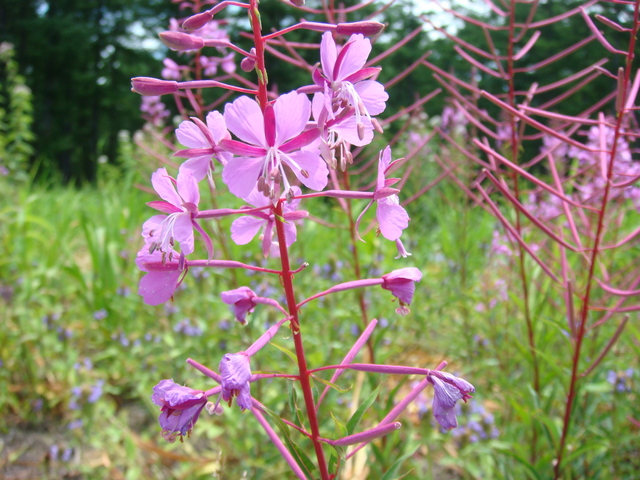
[
  {"x": 348, "y": 131},
  {"x": 292, "y": 112},
  {"x": 245, "y": 120},
  {"x": 188, "y": 187},
  {"x": 217, "y": 125},
  {"x": 353, "y": 59},
  {"x": 163, "y": 185},
  {"x": 183, "y": 233},
  {"x": 392, "y": 217},
  {"x": 328, "y": 54},
  {"x": 243, "y": 229},
  {"x": 241, "y": 175},
  {"x": 290, "y": 233},
  {"x": 383, "y": 162},
  {"x": 198, "y": 166},
  {"x": 152, "y": 225},
  {"x": 163, "y": 206},
  {"x": 158, "y": 287},
  {"x": 373, "y": 96},
  {"x": 189, "y": 135},
  {"x": 314, "y": 166}
]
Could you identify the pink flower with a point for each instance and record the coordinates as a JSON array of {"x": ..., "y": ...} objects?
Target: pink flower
[
  {"x": 401, "y": 283},
  {"x": 202, "y": 141},
  {"x": 241, "y": 301},
  {"x": 210, "y": 65},
  {"x": 343, "y": 78},
  {"x": 448, "y": 389},
  {"x": 162, "y": 278},
  {"x": 180, "y": 408},
  {"x": 392, "y": 217},
  {"x": 243, "y": 229},
  {"x": 182, "y": 207},
  {"x": 270, "y": 141},
  {"x": 236, "y": 372}
]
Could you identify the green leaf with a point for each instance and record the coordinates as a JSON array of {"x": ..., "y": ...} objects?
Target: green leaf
[
  {"x": 331, "y": 385},
  {"x": 300, "y": 457},
  {"x": 286, "y": 351},
  {"x": 357, "y": 416},
  {"x": 392, "y": 473}
]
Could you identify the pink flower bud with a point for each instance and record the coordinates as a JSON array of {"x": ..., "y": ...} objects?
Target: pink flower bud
[
  {"x": 153, "y": 86},
  {"x": 197, "y": 21},
  {"x": 366, "y": 28},
  {"x": 248, "y": 64},
  {"x": 181, "y": 41},
  {"x": 298, "y": 3}
]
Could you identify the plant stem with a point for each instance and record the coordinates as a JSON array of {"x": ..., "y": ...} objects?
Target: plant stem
[{"x": 304, "y": 375}]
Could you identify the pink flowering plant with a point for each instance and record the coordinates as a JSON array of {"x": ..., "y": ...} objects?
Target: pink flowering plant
[{"x": 278, "y": 154}]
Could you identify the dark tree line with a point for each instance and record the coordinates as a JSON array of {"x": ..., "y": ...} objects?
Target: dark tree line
[{"x": 78, "y": 57}]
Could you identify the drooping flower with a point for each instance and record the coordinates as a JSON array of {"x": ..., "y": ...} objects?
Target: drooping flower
[
  {"x": 343, "y": 78},
  {"x": 182, "y": 207},
  {"x": 236, "y": 372},
  {"x": 392, "y": 217},
  {"x": 448, "y": 389},
  {"x": 180, "y": 408},
  {"x": 269, "y": 141},
  {"x": 202, "y": 141},
  {"x": 401, "y": 283},
  {"x": 241, "y": 301},
  {"x": 243, "y": 229}
]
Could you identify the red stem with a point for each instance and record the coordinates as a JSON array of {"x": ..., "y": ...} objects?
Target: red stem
[
  {"x": 304, "y": 375},
  {"x": 596, "y": 249}
]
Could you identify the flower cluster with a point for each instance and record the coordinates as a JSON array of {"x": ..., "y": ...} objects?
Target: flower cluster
[{"x": 274, "y": 152}]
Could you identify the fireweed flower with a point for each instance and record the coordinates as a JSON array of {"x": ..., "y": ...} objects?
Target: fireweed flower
[
  {"x": 241, "y": 301},
  {"x": 202, "y": 141},
  {"x": 268, "y": 142},
  {"x": 180, "y": 408},
  {"x": 182, "y": 207},
  {"x": 154, "y": 111},
  {"x": 343, "y": 78},
  {"x": 392, "y": 217},
  {"x": 171, "y": 70},
  {"x": 243, "y": 229},
  {"x": 448, "y": 389},
  {"x": 401, "y": 283},
  {"x": 236, "y": 372}
]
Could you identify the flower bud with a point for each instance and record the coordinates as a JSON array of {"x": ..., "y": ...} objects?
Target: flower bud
[
  {"x": 197, "y": 21},
  {"x": 181, "y": 41},
  {"x": 298, "y": 3},
  {"x": 248, "y": 63},
  {"x": 153, "y": 86},
  {"x": 366, "y": 28}
]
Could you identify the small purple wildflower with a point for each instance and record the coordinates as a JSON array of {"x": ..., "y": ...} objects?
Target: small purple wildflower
[
  {"x": 187, "y": 328},
  {"x": 448, "y": 389},
  {"x": 96, "y": 391},
  {"x": 180, "y": 408},
  {"x": 401, "y": 283},
  {"x": 73, "y": 426},
  {"x": 241, "y": 301},
  {"x": 100, "y": 314},
  {"x": 68, "y": 452}
]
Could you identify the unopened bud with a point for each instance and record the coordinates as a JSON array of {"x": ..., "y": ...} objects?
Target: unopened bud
[
  {"x": 298, "y": 3},
  {"x": 248, "y": 63},
  {"x": 197, "y": 21},
  {"x": 181, "y": 41},
  {"x": 153, "y": 86},
  {"x": 366, "y": 28}
]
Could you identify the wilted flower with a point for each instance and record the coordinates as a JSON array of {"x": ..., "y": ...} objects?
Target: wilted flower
[
  {"x": 180, "y": 408},
  {"x": 448, "y": 389},
  {"x": 236, "y": 372},
  {"x": 401, "y": 283},
  {"x": 241, "y": 301}
]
